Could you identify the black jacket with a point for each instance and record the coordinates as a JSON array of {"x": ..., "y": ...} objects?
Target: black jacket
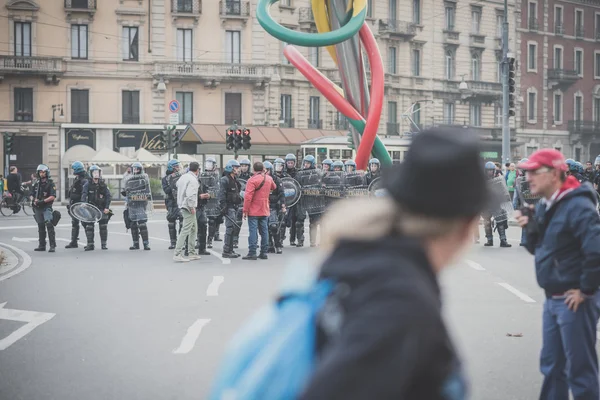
[
  {"x": 392, "y": 343},
  {"x": 97, "y": 194},
  {"x": 277, "y": 196}
]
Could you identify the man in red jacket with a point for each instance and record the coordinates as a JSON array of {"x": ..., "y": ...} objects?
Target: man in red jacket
[{"x": 256, "y": 209}]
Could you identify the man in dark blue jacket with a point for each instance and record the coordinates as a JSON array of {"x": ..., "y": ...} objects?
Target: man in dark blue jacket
[{"x": 563, "y": 232}]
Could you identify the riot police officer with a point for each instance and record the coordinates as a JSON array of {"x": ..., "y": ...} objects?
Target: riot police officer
[
  {"x": 279, "y": 171},
  {"x": 169, "y": 182},
  {"x": 338, "y": 166},
  {"x": 491, "y": 173},
  {"x": 211, "y": 180},
  {"x": 290, "y": 220},
  {"x": 229, "y": 201},
  {"x": 97, "y": 193},
  {"x": 201, "y": 217},
  {"x": 42, "y": 198},
  {"x": 245, "y": 174},
  {"x": 307, "y": 164},
  {"x": 350, "y": 166},
  {"x": 277, "y": 210},
  {"x": 137, "y": 188},
  {"x": 374, "y": 170},
  {"x": 326, "y": 165},
  {"x": 573, "y": 169},
  {"x": 75, "y": 197}
]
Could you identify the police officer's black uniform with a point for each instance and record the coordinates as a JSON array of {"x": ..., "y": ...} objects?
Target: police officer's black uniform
[
  {"x": 173, "y": 212},
  {"x": 98, "y": 194},
  {"x": 75, "y": 192},
  {"x": 43, "y": 195},
  {"x": 291, "y": 217},
  {"x": 276, "y": 202},
  {"x": 202, "y": 219},
  {"x": 229, "y": 201}
]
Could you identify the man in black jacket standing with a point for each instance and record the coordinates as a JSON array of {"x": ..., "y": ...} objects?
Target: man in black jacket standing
[
  {"x": 75, "y": 192},
  {"x": 229, "y": 201},
  {"x": 563, "y": 232},
  {"x": 42, "y": 198}
]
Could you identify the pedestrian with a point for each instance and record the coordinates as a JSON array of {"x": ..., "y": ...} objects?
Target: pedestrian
[
  {"x": 563, "y": 232},
  {"x": 384, "y": 255},
  {"x": 187, "y": 201},
  {"x": 256, "y": 209},
  {"x": 510, "y": 177}
]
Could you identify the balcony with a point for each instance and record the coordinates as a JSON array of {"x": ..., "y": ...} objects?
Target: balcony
[
  {"x": 231, "y": 9},
  {"x": 50, "y": 67},
  {"x": 562, "y": 77},
  {"x": 286, "y": 122},
  {"x": 559, "y": 29},
  {"x": 483, "y": 132},
  {"x": 477, "y": 40},
  {"x": 480, "y": 91},
  {"x": 451, "y": 36},
  {"x": 81, "y": 7},
  {"x": 392, "y": 28},
  {"x": 341, "y": 125},
  {"x": 306, "y": 19},
  {"x": 186, "y": 8},
  {"x": 392, "y": 129},
  {"x": 214, "y": 73},
  {"x": 315, "y": 124},
  {"x": 532, "y": 24},
  {"x": 584, "y": 127},
  {"x": 579, "y": 32}
]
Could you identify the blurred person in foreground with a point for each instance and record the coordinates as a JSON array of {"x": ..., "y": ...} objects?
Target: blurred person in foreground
[
  {"x": 563, "y": 233},
  {"x": 382, "y": 336}
]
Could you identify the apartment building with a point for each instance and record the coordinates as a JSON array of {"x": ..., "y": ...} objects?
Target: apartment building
[
  {"x": 101, "y": 74},
  {"x": 560, "y": 76}
]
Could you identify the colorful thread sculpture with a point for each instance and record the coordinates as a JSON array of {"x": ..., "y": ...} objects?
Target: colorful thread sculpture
[{"x": 341, "y": 29}]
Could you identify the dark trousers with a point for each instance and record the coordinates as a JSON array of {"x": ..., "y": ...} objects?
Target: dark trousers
[
  {"x": 202, "y": 228},
  {"x": 568, "y": 359},
  {"x": 230, "y": 229}
]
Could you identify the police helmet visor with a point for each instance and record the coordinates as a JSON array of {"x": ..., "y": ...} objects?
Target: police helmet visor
[
  {"x": 373, "y": 167},
  {"x": 209, "y": 166},
  {"x": 290, "y": 163},
  {"x": 307, "y": 164},
  {"x": 96, "y": 174},
  {"x": 278, "y": 167},
  {"x": 245, "y": 168},
  {"x": 326, "y": 167}
]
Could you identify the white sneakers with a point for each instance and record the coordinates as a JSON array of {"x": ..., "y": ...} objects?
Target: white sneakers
[{"x": 180, "y": 258}]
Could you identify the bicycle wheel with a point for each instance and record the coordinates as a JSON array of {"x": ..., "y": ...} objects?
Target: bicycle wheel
[
  {"x": 5, "y": 209},
  {"x": 26, "y": 207}
]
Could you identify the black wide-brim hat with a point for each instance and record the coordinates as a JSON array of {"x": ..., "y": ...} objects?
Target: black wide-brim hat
[{"x": 441, "y": 176}]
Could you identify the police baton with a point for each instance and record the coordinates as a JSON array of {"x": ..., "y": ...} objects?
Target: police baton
[{"x": 232, "y": 221}]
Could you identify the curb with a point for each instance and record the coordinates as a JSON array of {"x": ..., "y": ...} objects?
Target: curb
[{"x": 15, "y": 261}]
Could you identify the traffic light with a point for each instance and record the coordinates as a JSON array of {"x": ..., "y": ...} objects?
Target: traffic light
[
  {"x": 230, "y": 140},
  {"x": 8, "y": 142},
  {"x": 164, "y": 138},
  {"x": 511, "y": 86},
  {"x": 238, "y": 139},
  {"x": 350, "y": 139},
  {"x": 175, "y": 139},
  {"x": 246, "y": 139}
]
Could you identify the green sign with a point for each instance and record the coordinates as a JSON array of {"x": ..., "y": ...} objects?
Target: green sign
[
  {"x": 322, "y": 150},
  {"x": 489, "y": 154}
]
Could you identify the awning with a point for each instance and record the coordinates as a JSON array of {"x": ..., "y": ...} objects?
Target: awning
[
  {"x": 79, "y": 152},
  {"x": 107, "y": 156},
  {"x": 144, "y": 156},
  {"x": 183, "y": 158}
]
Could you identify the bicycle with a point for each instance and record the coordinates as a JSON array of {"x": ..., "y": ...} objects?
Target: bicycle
[{"x": 8, "y": 208}]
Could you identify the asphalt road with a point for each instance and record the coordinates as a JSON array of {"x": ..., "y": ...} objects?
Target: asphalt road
[{"x": 123, "y": 324}]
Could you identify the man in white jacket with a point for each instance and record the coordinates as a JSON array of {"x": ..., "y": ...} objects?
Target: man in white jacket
[{"x": 187, "y": 201}]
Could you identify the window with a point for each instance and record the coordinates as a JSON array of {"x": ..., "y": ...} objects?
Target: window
[
  {"x": 184, "y": 45},
  {"x": 597, "y": 65},
  {"x": 532, "y": 23},
  {"x": 578, "y": 153},
  {"x": 597, "y": 109},
  {"x": 370, "y": 9},
  {"x": 416, "y": 12},
  {"x": 131, "y": 107},
  {"x": 23, "y": 104},
  {"x": 416, "y": 116},
  {"x": 498, "y": 115},
  {"x": 392, "y": 112},
  {"x": 449, "y": 13},
  {"x": 498, "y": 70},
  {"x": 558, "y": 57},
  {"x": 416, "y": 62},
  {"x": 393, "y": 9},
  {"x": 475, "y": 67},
  {"x": 449, "y": 64},
  {"x": 130, "y": 43},
  {"x": 579, "y": 62},
  {"x": 233, "y": 108},
  {"x": 558, "y": 20},
  {"x": 475, "y": 114},
  {"x": 185, "y": 6},
  {"x": 531, "y": 105},
  {"x": 232, "y": 47},
  {"x": 286, "y": 110},
  {"x": 23, "y": 39},
  {"x": 314, "y": 113},
  {"x": 499, "y": 24},
  {"x": 449, "y": 113},
  {"x": 597, "y": 26},
  {"x": 557, "y": 108},
  {"x": 79, "y": 40},
  {"x": 475, "y": 20},
  {"x": 314, "y": 56},
  {"x": 286, "y": 3},
  {"x": 578, "y": 112},
  {"x": 284, "y": 59},
  {"x": 531, "y": 150},
  {"x": 80, "y": 106},
  {"x": 186, "y": 107},
  {"x": 579, "y": 23},
  {"x": 392, "y": 61},
  {"x": 532, "y": 57}
]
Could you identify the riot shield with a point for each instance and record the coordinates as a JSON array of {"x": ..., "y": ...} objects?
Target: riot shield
[
  {"x": 85, "y": 212},
  {"x": 356, "y": 184},
  {"x": 139, "y": 197},
  {"x": 312, "y": 200},
  {"x": 376, "y": 189},
  {"x": 333, "y": 186},
  {"x": 500, "y": 195},
  {"x": 524, "y": 193},
  {"x": 292, "y": 191},
  {"x": 212, "y": 181},
  {"x": 243, "y": 183}
]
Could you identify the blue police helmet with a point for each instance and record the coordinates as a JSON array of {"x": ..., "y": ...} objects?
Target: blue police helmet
[
  {"x": 328, "y": 162},
  {"x": 374, "y": 161},
  {"x": 137, "y": 165},
  {"x": 268, "y": 166},
  {"x": 490, "y": 165},
  {"x": 172, "y": 164},
  {"x": 78, "y": 167},
  {"x": 338, "y": 163},
  {"x": 43, "y": 167},
  {"x": 290, "y": 157},
  {"x": 572, "y": 165},
  {"x": 230, "y": 165},
  {"x": 95, "y": 168},
  {"x": 597, "y": 160},
  {"x": 309, "y": 159},
  {"x": 245, "y": 161},
  {"x": 350, "y": 162},
  {"x": 580, "y": 168}
]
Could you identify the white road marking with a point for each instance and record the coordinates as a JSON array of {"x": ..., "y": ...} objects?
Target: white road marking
[
  {"x": 213, "y": 288},
  {"x": 6, "y": 228},
  {"x": 474, "y": 265},
  {"x": 192, "y": 334},
  {"x": 24, "y": 265},
  {"x": 516, "y": 292},
  {"x": 216, "y": 254},
  {"x": 25, "y": 240},
  {"x": 33, "y": 319}
]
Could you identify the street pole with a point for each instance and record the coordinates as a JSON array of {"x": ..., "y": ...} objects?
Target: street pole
[
  {"x": 505, "y": 68},
  {"x": 168, "y": 144},
  {"x": 235, "y": 150}
]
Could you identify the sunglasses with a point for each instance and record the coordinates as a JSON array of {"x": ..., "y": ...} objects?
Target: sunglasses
[{"x": 538, "y": 171}]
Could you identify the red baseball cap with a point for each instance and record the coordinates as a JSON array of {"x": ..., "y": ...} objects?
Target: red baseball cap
[{"x": 545, "y": 158}]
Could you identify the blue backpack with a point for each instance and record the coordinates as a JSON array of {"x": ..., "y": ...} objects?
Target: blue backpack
[{"x": 273, "y": 355}]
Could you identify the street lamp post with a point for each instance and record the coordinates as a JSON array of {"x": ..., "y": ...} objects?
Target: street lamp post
[
  {"x": 55, "y": 108},
  {"x": 505, "y": 104}
]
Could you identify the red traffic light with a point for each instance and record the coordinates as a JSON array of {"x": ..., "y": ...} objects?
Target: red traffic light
[
  {"x": 246, "y": 132},
  {"x": 229, "y": 132},
  {"x": 238, "y": 132}
]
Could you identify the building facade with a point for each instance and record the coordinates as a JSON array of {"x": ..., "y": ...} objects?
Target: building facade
[
  {"x": 103, "y": 73},
  {"x": 560, "y": 76}
]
